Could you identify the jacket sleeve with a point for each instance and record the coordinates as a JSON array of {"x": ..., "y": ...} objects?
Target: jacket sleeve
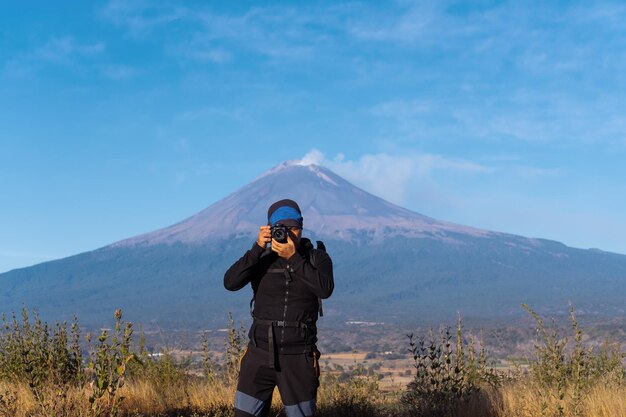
[
  {"x": 242, "y": 271},
  {"x": 319, "y": 278}
]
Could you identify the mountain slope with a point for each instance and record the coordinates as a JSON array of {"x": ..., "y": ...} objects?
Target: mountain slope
[
  {"x": 333, "y": 208},
  {"x": 390, "y": 264}
]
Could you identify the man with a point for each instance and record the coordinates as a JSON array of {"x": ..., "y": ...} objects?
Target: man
[{"x": 288, "y": 280}]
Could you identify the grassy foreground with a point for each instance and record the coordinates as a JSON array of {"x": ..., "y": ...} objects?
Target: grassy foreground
[
  {"x": 143, "y": 398},
  {"x": 45, "y": 371}
]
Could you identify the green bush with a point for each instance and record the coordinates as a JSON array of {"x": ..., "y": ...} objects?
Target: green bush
[
  {"x": 446, "y": 376},
  {"x": 353, "y": 391},
  {"x": 34, "y": 353},
  {"x": 565, "y": 369}
]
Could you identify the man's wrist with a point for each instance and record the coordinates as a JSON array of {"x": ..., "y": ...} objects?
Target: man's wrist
[{"x": 257, "y": 249}]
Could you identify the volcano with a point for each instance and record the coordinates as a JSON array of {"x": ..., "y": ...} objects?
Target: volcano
[
  {"x": 390, "y": 264},
  {"x": 334, "y": 209}
]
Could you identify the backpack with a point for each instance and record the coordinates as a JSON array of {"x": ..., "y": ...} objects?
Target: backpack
[{"x": 321, "y": 247}]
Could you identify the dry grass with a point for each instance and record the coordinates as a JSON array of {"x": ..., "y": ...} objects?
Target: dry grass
[
  {"x": 42, "y": 374},
  {"x": 518, "y": 399},
  {"x": 525, "y": 400}
]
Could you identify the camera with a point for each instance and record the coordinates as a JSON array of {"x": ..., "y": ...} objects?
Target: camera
[{"x": 280, "y": 233}]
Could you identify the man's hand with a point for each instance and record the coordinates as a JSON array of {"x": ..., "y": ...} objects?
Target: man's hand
[
  {"x": 284, "y": 250},
  {"x": 265, "y": 236}
]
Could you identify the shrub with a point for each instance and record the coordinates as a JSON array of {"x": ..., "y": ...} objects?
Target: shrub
[
  {"x": 564, "y": 371},
  {"x": 234, "y": 348},
  {"x": 47, "y": 360},
  {"x": 107, "y": 367},
  {"x": 38, "y": 355},
  {"x": 446, "y": 376},
  {"x": 354, "y": 391}
]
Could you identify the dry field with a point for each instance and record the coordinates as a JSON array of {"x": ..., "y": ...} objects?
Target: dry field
[
  {"x": 215, "y": 399},
  {"x": 393, "y": 374},
  {"x": 44, "y": 372}
]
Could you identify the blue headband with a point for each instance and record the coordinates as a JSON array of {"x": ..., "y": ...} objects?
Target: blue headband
[{"x": 285, "y": 213}]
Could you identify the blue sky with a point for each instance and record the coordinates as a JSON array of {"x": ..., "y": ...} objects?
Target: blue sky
[{"x": 121, "y": 117}]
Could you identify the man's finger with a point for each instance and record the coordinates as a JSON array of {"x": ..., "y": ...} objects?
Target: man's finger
[{"x": 277, "y": 244}]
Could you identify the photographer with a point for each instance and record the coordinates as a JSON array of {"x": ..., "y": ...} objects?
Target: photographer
[{"x": 288, "y": 280}]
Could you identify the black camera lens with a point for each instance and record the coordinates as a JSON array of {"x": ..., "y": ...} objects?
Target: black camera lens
[{"x": 279, "y": 234}]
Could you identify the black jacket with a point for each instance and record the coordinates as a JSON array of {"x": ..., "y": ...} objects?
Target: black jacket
[{"x": 284, "y": 289}]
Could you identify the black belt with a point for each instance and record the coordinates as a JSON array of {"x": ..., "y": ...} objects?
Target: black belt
[{"x": 273, "y": 351}]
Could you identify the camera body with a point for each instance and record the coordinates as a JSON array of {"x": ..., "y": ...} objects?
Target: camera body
[{"x": 280, "y": 233}]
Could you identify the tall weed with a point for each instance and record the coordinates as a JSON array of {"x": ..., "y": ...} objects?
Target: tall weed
[
  {"x": 563, "y": 370},
  {"x": 447, "y": 375}
]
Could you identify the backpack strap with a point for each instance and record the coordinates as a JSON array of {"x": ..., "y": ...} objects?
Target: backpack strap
[{"x": 322, "y": 247}]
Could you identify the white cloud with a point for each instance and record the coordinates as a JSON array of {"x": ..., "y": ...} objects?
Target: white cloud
[
  {"x": 207, "y": 36},
  {"x": 420, "y": 22},
  {"x": 140, "y": 17},
  {"x": 57, "y": 51},
  {"x": 398, "y": 177},
  {"x": 390, "y": 176},
  {"x": 63, "y": 50},
  {"x": 314, "y": 156}
]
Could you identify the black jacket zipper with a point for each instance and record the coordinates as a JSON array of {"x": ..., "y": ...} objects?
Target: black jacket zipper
[{"x": 288, "y": 270}]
